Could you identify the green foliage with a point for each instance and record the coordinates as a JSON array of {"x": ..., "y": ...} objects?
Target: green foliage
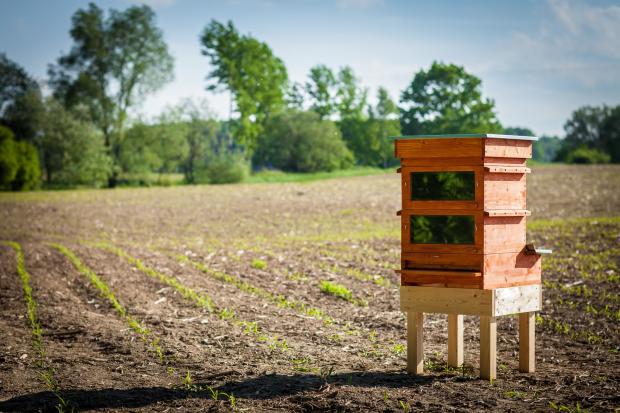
[
  {"x": 546, "y": 148},
  {"x": 20, "y": 100},
  {"x": 302, "y": 142},
  {"x": 320, "y": 87},
  {"x": 137, "y": 152},
  {"x": 8, "y": 158},
  {"x": 202, "y": 134},
  {"x": 351, "y": 97},
  {"x": 115, "y": 61},
  {"x": 250, "y": 71},
  {"x": 29, "y": 171},
  {"x": 519, "y": 131},
  {"x": 72, "y": 150},
  {"x": 161, "y": 148},
  {"x": 596, "y": 128},
  {"x": 222, "y": 169},
  {"x": 446, "y": 99},
  {"x": 586, "y": 155},
  {"x": 19, "y": 163},
  {"x": 368, "y": 137},
  {"x": 295, "y": 96}
]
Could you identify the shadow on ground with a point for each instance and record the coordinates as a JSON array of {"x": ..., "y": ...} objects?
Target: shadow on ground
[{"x": 259, "y": 388}]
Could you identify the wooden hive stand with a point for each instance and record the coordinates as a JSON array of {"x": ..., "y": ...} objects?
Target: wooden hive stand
[{"x": 464, "y": 250}]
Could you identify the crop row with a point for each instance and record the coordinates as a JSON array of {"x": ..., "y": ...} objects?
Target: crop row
[
  {"x": 145, "y": 334},
  {"x": 45, "y": 372},
  {"x": 106, "y": 293},
  {"x": 377, "y": 347},
  {"x": 201, "y": 300}
]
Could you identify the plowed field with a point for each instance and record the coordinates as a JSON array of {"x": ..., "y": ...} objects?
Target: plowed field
[{"x": 283, "y": 297}]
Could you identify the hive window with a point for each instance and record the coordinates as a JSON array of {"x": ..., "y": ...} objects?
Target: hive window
[
  {"x": 443, "y": 186},
  {"x": 442, "y": 229}
]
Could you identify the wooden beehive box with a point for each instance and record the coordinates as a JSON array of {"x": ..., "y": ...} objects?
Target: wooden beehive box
[{"x": 464, "y": 211}]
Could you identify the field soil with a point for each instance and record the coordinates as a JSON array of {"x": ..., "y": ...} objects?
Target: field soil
[{"x": 212, "y": 298}]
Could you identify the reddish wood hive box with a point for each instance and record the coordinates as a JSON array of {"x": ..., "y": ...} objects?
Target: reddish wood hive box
[{"x": 464, "y": 211}]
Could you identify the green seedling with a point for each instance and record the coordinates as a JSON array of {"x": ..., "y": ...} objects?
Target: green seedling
[
  {"x": 259, "y": 264},
  {"x": 336, "y": 290},
  {"x": 105, "y": 292},
  {"x": 46, "y": 373},
  {"x": 515, "y": 394}
]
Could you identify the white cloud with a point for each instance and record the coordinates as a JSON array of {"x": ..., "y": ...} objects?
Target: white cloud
[
  {"x": 589, "y": 28},
  {"x": 358, "y": 4},
  {"x": 574, "y": 42}
]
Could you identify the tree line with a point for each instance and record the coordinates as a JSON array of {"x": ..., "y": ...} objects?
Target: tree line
[{"x": 83, "y": 134}]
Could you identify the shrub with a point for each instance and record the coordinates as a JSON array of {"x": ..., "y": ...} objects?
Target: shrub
[
  {"x": 8, "y": 158},
  {"x": 302, "y": 142},
  {"x": 223, "y": 169},
  {"x": 29, "y": 170},
  {"x": 585, "y": 155},
  {"x": 73, "y": 150},
  {"x": 19, "y": 163}
]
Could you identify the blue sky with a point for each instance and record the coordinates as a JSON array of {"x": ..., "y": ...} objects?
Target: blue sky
[{"x": 538, "y": 59}]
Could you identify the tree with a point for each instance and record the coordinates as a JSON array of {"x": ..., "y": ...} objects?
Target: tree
[
  {"x": 585, "y": 155},
  {"x": 593, "y": 127},
  {"x": 115, "y": 61},
  {"x": 295, "y": 96},
  {"x": 546, "y": 148},
  {"x": 20, "y": 100},
  {"x": 302, "y": 142},
  {"x": 610, "y": 132},
  {"x": 519, "y": 131},
  {"x": 385, "y": 121},
  {"x": 351, "y": 98},
  {"x": 446, "y": 99},
  {"x": 201, "y": 135},
  {"x": 320, "y": 87},
  {"x": 19, "y": 163},
  {"x": 138, "y": 154},
  {"x": 249, "y": 70},
  {"x": 72, "y": 149}
]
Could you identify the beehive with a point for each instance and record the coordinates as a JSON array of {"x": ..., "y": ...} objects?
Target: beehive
[
  {"x": 464, "y": 211},
  {"x": 464, "y": 249}
]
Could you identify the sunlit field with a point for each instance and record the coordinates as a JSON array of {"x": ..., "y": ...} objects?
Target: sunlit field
[{"x": 283, "y": 296}]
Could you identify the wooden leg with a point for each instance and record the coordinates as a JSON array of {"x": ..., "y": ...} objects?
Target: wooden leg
[
  {"x": 415, "y": 342},
  {"x": 527, "y": 357},
  {"x": 455, "y": 340},
  {"x": 488, "y": 338}
]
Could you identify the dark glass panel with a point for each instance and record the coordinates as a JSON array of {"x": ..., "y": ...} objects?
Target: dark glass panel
[
  {"x": 442, "y": 229},
  {"x": 443, "y": 186}
]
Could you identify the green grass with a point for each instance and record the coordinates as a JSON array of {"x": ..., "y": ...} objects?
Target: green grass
[
  {"x": 281, "y": 177},
  {"x": 46, "y": 372}
]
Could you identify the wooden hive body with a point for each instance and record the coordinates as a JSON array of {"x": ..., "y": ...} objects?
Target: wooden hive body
[{"x": 482, "y": 228}]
